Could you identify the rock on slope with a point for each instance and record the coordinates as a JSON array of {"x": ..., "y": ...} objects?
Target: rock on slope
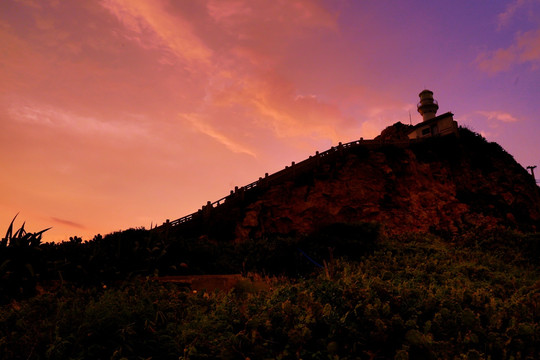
[{"x": 445, "y": 185}]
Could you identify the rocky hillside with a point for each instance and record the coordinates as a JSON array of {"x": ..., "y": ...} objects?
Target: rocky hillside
[{"x": 443, "y": 185}]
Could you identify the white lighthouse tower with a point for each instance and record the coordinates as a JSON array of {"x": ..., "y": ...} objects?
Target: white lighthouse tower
[{"x": 427, "y": 107}]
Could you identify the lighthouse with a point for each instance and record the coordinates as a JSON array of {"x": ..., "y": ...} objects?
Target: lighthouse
[
  {"x": 432, "y": 125},
  {"x": 427, "y": 107}
]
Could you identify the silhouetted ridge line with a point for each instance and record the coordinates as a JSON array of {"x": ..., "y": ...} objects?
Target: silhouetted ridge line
[{"x": 290, "y": 171}]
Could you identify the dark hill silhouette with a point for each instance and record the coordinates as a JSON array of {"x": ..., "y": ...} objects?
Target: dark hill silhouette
[{"x": 443, "y": 185}]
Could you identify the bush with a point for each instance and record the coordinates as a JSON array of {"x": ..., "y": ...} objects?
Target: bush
[{"x": 413, "y": 297}]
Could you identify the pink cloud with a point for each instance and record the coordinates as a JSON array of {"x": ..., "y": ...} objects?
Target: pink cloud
[
  {"x": 288, "y": 14},
  {"x": 18, "y": 60},
  {"x": 239, "y": 72},
  {"x": 197, "y": 122},
  {"x": 151, "y": 24},
  {"x": 60, "y": 119},
  {"x": 506, "y": 16},
  {"x": 529, "y": 44},
  {"x": 525, "y": 49},
  {"x": 271, "y": 102},
  {"x": 224, "y": 11},
  {"x": 30, "y": 3},
  {"x": 499, "y": 116},
  {"x": 518, "y": 11},
  {"x": 266, "y": 29}
]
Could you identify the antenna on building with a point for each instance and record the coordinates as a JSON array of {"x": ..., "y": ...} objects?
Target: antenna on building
[{"x": 410, "y": 119}]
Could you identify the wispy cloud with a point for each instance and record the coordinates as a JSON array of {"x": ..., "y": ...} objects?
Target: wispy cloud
[
  {"x": 246, "y": 13},
  {"x": 511, "y": 9},
  {"x": 240, "y": 72},
  {"x": 525, "y": 49},
  {"x": 30, "y": 3},
  {"x": 498, "y": 116},
  {"x": 68, "y": 223},
  {"x": 56, "y": 118},
  {"x": 150, "y": 24},
  {"x": 198, "y": 123},
  {"x": 274, "y": 107}
]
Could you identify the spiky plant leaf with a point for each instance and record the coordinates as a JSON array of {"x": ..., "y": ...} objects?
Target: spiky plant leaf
[
  {"x": 21, "y": 232},
  {"x": 42, "y": 231},
  {"x": 35, "y": 240},
  {"x": 21, "y": 237},
  {"x": 9, "y": 232}
]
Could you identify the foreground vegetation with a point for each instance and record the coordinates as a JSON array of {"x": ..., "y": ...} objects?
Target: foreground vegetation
[{"x": 408, "y": 297}]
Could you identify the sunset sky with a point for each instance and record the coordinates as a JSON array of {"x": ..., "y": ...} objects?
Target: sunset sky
[{"x": 124, "y": 113}]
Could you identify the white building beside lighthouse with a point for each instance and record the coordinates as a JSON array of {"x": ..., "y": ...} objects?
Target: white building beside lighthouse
[{"x": 431, "y": 124}]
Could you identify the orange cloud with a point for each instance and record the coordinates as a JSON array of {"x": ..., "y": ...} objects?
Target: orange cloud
[
  {"x": 239, "y": 71},
  {"x": 262, "y": 32},
  {"x": 239, "y": 14},
  {"x": 505, "y": 17},
  {"x": 499, "y": 116},
  {"x": 271, "y": 102},
  {"x": 200, "y": 125},
  {"x": 17, "y": 59},
  {"x": 30, "y": 3},
  {"x": 150, "y": 24},
  {"x": 525, "y": 49},
  {"x": 48, "y": 116}
]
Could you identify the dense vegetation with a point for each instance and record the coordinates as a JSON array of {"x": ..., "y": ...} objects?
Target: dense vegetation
[
  {"x": 120, "y": 256},
  {"x": 406, "y": 297}
]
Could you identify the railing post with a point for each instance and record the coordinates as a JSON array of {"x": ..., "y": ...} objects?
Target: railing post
[{"x": 207, "y": 209}]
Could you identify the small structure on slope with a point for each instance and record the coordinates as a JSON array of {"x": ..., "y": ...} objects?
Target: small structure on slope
[{"x": 431, "y": 124}]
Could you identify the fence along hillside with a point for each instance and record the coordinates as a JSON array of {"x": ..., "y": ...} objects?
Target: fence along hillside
[{"x": 288, "y": 173}]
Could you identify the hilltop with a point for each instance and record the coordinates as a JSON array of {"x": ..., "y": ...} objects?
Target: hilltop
[{"x": 444, "y": 185}]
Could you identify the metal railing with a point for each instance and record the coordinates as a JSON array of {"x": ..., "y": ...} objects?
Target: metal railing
[{"x": 288, "y": 171}]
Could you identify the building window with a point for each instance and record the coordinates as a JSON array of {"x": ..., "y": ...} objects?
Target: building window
[{"x": 426, "y": 131}]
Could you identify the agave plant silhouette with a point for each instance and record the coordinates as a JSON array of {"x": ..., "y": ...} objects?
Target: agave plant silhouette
[
  {"x": 21, "y": 238},
  {"x": 20, "y": 262}
]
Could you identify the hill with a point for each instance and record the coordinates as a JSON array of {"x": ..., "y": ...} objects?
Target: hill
[{"x": 444, "y": 185}]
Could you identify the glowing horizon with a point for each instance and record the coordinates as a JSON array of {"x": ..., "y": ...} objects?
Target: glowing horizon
[{"x": 125, "y": 113}]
